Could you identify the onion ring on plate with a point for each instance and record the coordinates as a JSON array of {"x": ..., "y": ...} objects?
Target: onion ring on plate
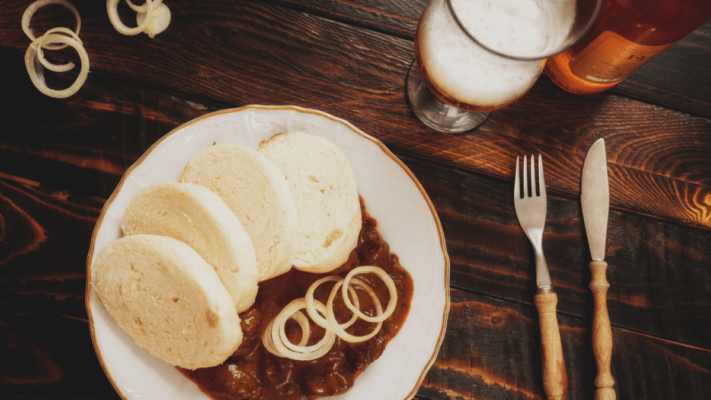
[
  {"x": 311, "y": 310},
  {"x": 30, "y": 11},
  {"x": 269, "y": 343},
  {"x": 388, "y": 282},
  {"x": 34, "y": 68},
  {"x": 38, "y": 44},
  {"x": 301, "y": 319},
  {"x": 142, "y": 8},
  {"x": 123, "y": 29},
  {"x": 334, "y": 325},
  {"x": 278, "y": 336}
]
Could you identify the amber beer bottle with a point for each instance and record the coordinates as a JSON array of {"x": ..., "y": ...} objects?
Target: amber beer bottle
[{"x": 626, "y": 35}]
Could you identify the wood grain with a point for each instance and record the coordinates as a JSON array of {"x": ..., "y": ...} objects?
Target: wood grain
[
  {"x": 349, "y": 57},
  {"x": 49, "y": 357},
  {"x": 658, "y": 158},
  {"x": 44, "y": 241},
  {"x": 678, "y": 78},
  {"x": 601, "y": 332},
  {"x": 397, "y": 18},
  {"x": 659, "y": 284},
  {"x": 85, "y": 143},
  {"x": 657, "y": 271},
  {"x": 555, "y": 377},
  {"x": 491, "y": 352},
  {"x": 502, "y": 335}
]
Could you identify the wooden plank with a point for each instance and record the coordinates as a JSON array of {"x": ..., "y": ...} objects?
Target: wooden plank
[
  {"x": 658, "y": 271},
  {"x": 663, "y": 249},
  {"x": 44, "y": 241},
  {"x": 679, "y": 78},
  {"x": 487, "y": 248},
  {"x": 49, "y": 357},
  {"x": 393, "y": 17},
  {"x": 491, "y": 351},
  {"x": 102, "y": 114},
  {"x": 658, "y": 158},
  {"x": 85, "y": 143}
]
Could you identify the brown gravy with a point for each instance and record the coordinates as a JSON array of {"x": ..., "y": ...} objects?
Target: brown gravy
[{"x": 254, "y": 373}]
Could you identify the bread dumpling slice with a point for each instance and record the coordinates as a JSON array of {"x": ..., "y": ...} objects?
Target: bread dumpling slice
[
  {"x": 255, "y": 190},
  {"x": 168, "y": 300},
  {"x": 324, "y": 187},
  {"x": 198, "y": 217}
]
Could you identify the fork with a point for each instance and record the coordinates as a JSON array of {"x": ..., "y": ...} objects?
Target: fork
[{"x": 531, "y": 213}]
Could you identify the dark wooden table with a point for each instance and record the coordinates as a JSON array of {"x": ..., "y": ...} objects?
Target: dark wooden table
[{"x": 60, "y": 160}]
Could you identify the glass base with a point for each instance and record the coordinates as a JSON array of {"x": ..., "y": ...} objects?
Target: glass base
[{"x": 435, "y": 113}]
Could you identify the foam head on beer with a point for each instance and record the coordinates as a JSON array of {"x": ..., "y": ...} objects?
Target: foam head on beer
[{"x": 468, "y": 72}]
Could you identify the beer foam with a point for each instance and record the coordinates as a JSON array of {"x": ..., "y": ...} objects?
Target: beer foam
[{"x": 465, "y": 70}]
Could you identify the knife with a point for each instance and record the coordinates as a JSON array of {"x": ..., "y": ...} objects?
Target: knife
[{"x": 595, "y": 199}]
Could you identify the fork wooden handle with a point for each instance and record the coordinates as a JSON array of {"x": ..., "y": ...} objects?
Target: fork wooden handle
[
  {"x": 601, "y": 332},
  {"x": 555, "y": 377}
]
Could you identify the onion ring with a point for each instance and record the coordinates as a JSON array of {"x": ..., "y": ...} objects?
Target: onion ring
[
  {"x": 311, "y": 310},
  {"x": 160, "y": 20},
  {"x": 297, "y": 305},
  {"x": 340, "y": 332},
  {"x": 301, "y": 319},
  {"x": 38, "y": 44},
  {"x": 303, "y": 353},
  {"x": 276, "y": 341},
  {"x": 142, "y": 8},
  {"x": 111, "y": 7},
  {"x": 35, "y": 69},
  {"x": 388, "y": 282},
  {"x": 268, "y": 342},
  {"x": 30, "y": 11}
]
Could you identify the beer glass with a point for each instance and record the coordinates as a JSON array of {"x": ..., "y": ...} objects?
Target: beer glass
[{"x": 476, "y": 56}]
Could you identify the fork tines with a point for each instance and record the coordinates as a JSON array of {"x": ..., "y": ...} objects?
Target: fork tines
[{"x": 541, "y": 180}]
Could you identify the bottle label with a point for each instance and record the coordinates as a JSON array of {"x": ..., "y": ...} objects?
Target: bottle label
[{"x": 611, "y": 58}]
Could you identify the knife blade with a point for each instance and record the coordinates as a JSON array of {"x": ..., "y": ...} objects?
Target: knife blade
[{"x": 595, "y": 200}]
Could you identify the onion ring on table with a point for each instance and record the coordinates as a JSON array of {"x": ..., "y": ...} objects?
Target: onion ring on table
[
  {"x": 311, "y": 310},
  {"x": 279, "y": 340},
  {"x": 142, "y": 8},
  {"x": 160, "y": 22},
  {"x": 34, "y": 68},
  {"x": 38, "y": 44},
  {"x": 111, "y": 7},
  {"x": 30, "y": 11},
  {"x": 388, "y": 282},
  {"x": 336, "y": 327}
]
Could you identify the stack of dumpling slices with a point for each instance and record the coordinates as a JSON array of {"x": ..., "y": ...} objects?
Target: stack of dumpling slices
[{"x": 193, "y": 252}]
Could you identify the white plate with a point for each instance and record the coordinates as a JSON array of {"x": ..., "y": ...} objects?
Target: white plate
[{"x": 406, "y": 220}]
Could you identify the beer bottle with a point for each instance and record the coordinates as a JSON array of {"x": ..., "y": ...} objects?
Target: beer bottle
[{"x": 626, "y": 35}]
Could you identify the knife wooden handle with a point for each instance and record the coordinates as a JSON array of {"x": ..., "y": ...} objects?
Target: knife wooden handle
[
  {"x": 555, "y": 377},
  {"x": 601, "y": 332}
]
